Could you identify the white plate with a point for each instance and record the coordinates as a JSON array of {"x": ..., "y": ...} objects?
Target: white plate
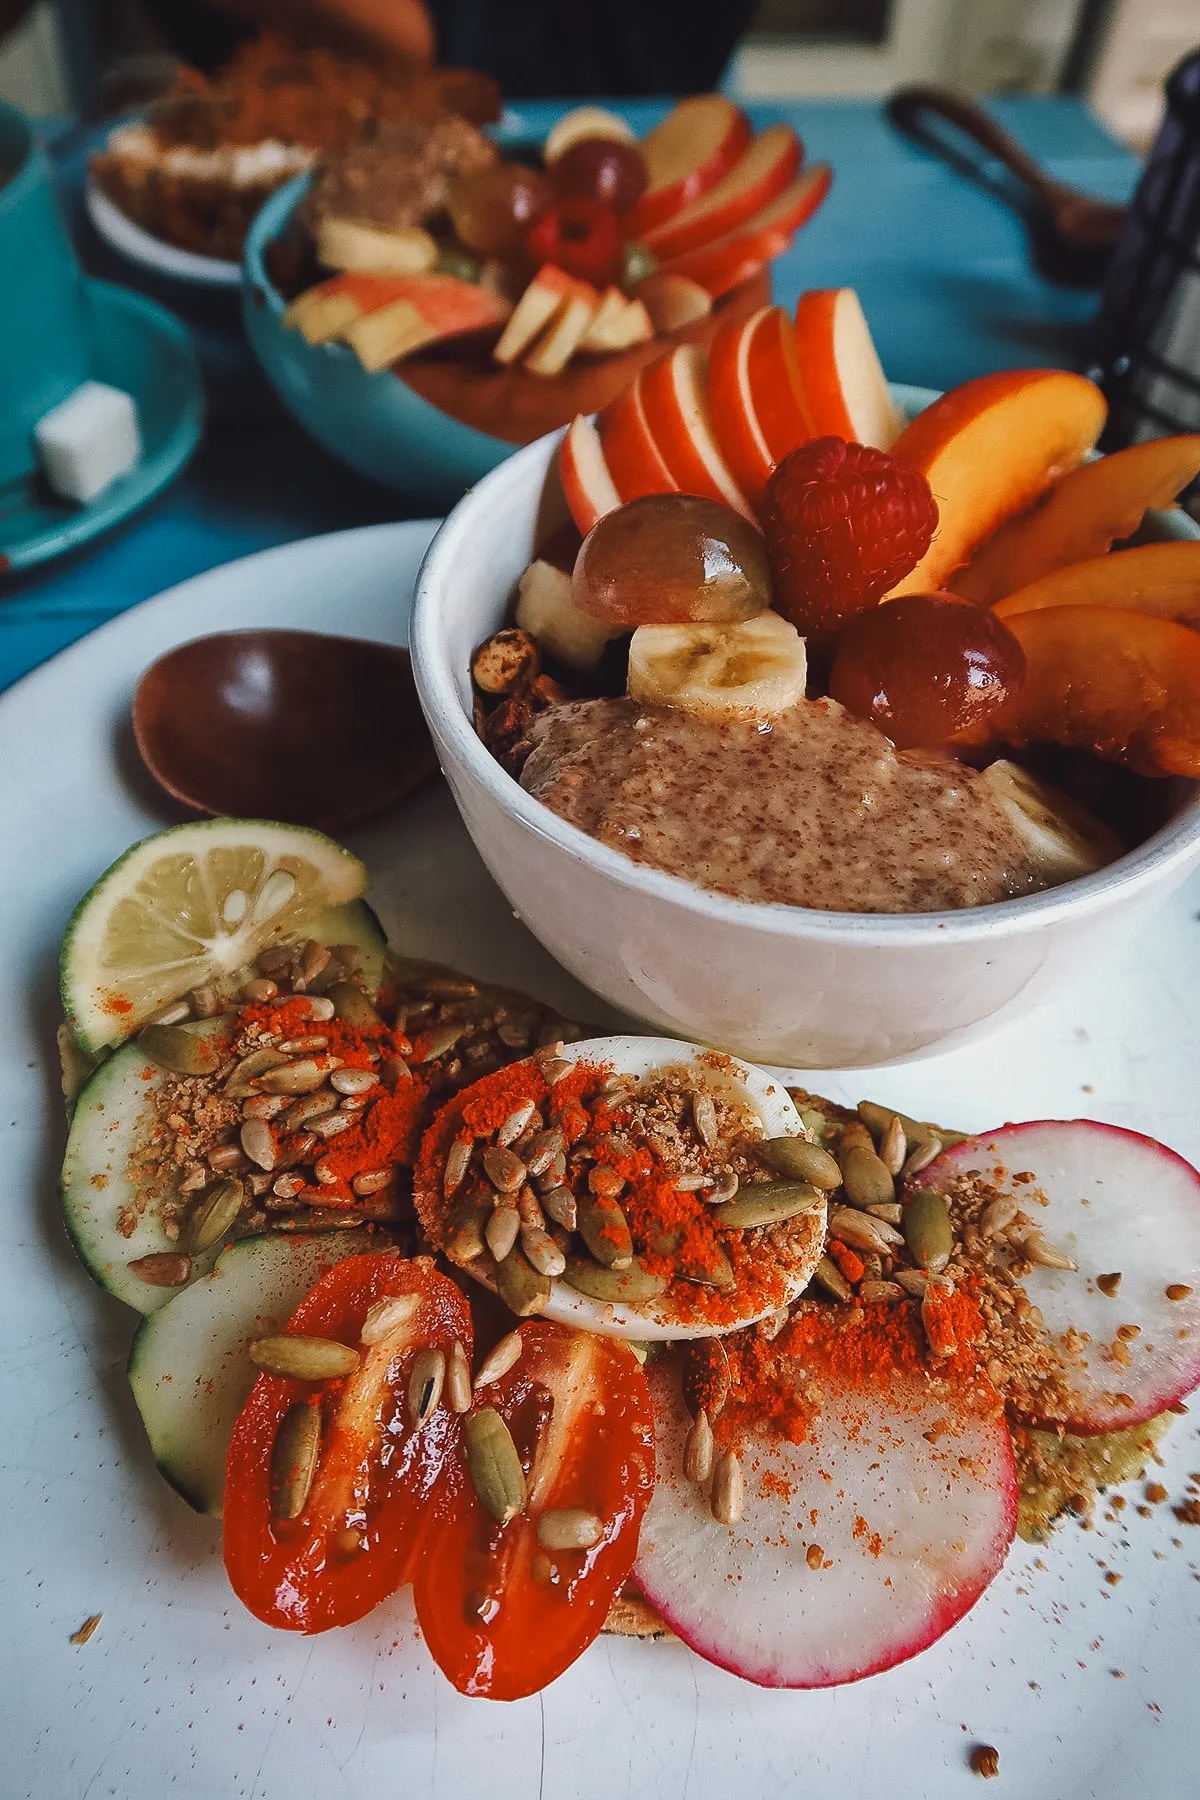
[
  {"x": 180, "y": 1692},
  {"x": 141, "y": 246}
]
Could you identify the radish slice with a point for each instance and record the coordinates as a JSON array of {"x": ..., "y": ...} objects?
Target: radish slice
[
  {"x": 1117, "y": 1203},
  {"x": 912, "y": 1510}
]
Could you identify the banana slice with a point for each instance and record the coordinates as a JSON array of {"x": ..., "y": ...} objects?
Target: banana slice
[
  {"x": 546, "y": 610},
  {"x": 751, "y": 670},
  {"x": 1063, "y": 838}
]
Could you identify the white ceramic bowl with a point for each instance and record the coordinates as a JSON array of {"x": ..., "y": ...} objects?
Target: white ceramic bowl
[{"x": 776, "y": 984}]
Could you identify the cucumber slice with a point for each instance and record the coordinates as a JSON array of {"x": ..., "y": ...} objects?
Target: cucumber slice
[
  {"x": 188, "y": 1366},
  {"x": 355, "y": 923}
]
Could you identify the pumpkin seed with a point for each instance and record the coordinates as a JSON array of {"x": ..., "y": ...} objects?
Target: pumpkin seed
[
  {"x": 303, "y": 1358},
  {"x": 441, "y": 1041},
  {"x": 830, "y": 1277},
  {"x": 569, "y": 1528},
  {"x": 854, "y": 1136},
  {"x": 213, "y": 1214},
  {"x": 425, "y": 1385},
  {"x": 241, "y": 1080},
  {"x": 303, "y": 1077},
  {"x": 389, "y": 1314},
  {"x": 499, "y": 1360},
  {"x": 458, "y": 1380},
  {"x": 162, "y": 1268},
  {"x": 928, "y": 1231},
  {"x": 294, "y": 1457},
  {"x": 515, "y": 1124},
  {"x": 698, "y": 1450},
  {"x": 502, "y": 1230},
  {"x": 559, "y": 1204},
  {"x": 728, "y": 1488},
  {"x": 542, "y": 1251},
  {"x": 505, "y": 1171},
  {"x": 464, "y": 1229},
  {"x": 893, "y": 1146},
  {"x": 495, "y": 1467},
  {"x": 258, "y": 1143},
  {"x": 798, "y": 1160},
  {"x": 706, "y": 1376},
  {"x": 865, "y": 1178},
  {"x": 913, "y": 1281},
  {"x": 350, "y": 1004},
  {"x": 768, "y": 1203},
  {"x": 182, "y": 1049},
  {"x": 521, "y": 1287},
  {"x": 716, "y": 1272},
  {"x": 605, "y": 1230},
  {"x": 631, "y": 1286}
]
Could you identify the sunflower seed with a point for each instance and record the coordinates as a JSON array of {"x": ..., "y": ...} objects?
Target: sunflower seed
[
  {"x": 706, "y": 1376},
  {"x": 891, "y": 1215},
  {"x": 542, "y": 1251},
  {"x": 543, "y": 1150},
  {"x": 303, "y": 1358},
  {"x": 194, "y": 1177},
  {"x": 353, "y": 1081},
  {"x": 464, "y": 1229},
  {"x": 913, "y": 1281},
  {"x": 205, "y": 1000},
  {"x": 874, "y": 1293},
  {"x": 457, "y": 1158},
  {"x": 631, "y": 1286},
  {"x": 174, "y": 1014},
  {"x": 326, "y": 1174},
  {"x": 698, "y": 1450},
  {"x": 394, "y": 1072},
  {"x": 529, "y": 1209},
  {"x": 854, "y": 1136},
  {"x": 458, "y": 1380},
  {"x": 213, "y": 1214},
  {"x": 1000, "y": 1215},
  {"x": 865, "y": 1178},
  {"x": 605, "y": 1181},
  {"x": 832, "y": 1280},
  {"x": 502, "y": 1231},
  {"x": 296, "y": 1046},
  {"x": 862, "y": 1232},
  {"x": 258, "y": 1143},
  {"x": 264, "y": 1106},
  {"x": 348, "y": 1003},
  {"x": 389, "y": 1314},
  {"x": 242, "y": 1078},
  {"x": 494, "y": 1466},
  {"x": 704, "y": 1117},
  {"x": 425, "y": 1385},
  {"x": 554, "y": 1174},
  {"x": 767, "y": 1203},
  {"x": 313, "y": 959},
  {"x": 162, "y": 1268},
  {"x": 928, "y": 1231},
  {"x": 226, "y": 1157},
  {"x": 515, "y": 1124},
  {"x": 505, "y": 1171},
  {"x": 294, "y": 1457},
  {"x": 303, "y": 1077},
  {"x": 261, "y": 989},
  {"x": 441, "y": 1039},
  {"x": 514, "y": 1034},
  {"x": 692, "y": 1184},
  {"x": 332, "y": 1124},
  {"x": 559, "y": 1205},
  {"x": 925, "y": 1151},
  {"x": 939, "y": 1331},
  {"x": 523, "y": 1289},
  {"x": 569, "y": 1528},
  {"x": 605, "y": 1230},
  {"x": 728, "y": 1488},
  {"x": 893, "y": 1146},
  {"x": 370, "y": 1181},
  {"x": 288, "y": 1186},
  {"x": 499, "y": 1360},
  {"x": 554, "y": 1069},
  {"x": 299, "y": 1112},
  {"x": 1044, "y": 1255}
]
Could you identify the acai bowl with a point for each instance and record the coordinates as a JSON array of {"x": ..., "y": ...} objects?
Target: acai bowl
[{"x": 788, "y": 985}]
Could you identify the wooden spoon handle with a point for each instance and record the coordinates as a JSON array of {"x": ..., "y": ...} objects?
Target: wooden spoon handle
[{"x": 910, "y": 107}]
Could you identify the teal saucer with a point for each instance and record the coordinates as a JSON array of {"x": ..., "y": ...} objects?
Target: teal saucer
[{"x": 141, "y": 349}]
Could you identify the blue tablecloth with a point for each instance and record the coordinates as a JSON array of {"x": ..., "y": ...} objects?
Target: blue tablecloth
[{"x": 941, "y": 267}]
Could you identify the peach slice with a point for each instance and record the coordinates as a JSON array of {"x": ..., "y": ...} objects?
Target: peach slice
[
  {"x": 676, "y": 409},
  {"x": 988, "y": 449},
  {"x": 1162, "y": 579},
  {"x": 674, "y": 301},
  {"x": 546, "y": 295},
  {"x": 587, "y": 484},
  {"x": 1087, "y": 511},
  {"x": 846, "y": 393},
  {"x": 728, "y": 261},
  {"x": 686, "y": 155},
  {"x": 766, "y": 168},
  {"x": 731, "y": 402},
  {"x": 1124, "y": 685},
  {"x": 633, "y": 457}
]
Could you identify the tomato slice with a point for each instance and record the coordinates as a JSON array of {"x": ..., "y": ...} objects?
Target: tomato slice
[
  {"x": 502, "y": 1615},
  {"x": 379, "y": 1483}
]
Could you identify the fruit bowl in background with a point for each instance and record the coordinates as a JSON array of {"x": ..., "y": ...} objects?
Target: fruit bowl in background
[
  {"x": 780, "y": 985},
  {"x": 441, "y": 421}
]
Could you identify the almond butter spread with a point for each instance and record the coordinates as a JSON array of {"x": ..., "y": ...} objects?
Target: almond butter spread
[{"x": 816, "y": 809}]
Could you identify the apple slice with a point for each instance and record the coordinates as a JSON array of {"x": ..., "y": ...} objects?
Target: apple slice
[
  {"x": 350, "y": 244},
  {"x": 775, "y": 384},
  {"x": 1124, "y": 685},
  {"x": 320, "y": 316},
  {"x": 563, "y": 336},
  {"x": 676, "y": 409},
  {"x": 428, "y": 308},
  {"x": 674, "y": 301},
  {"x": 686, "y": 155},
  {"x": 584, "y": 122},
  {"x": 1081, "y": 517},
  {"x": 728, "y": 261},
  {"x": 388, "y": 335},
  {"x": 766, "y": 167},
  {"x": 618, "y": 324},
  {"x": 1163, "y": 579},
  {"x": 587, "y": 484},
  {"x": 988, "y": 449},
  {"x": 731, "y": 403},
  {"x": 846, "y": 393},
  {"x": 633, "y": 456},
  {"x": 548, "y": 292},
  {"x": 547, "y": 612},
  {"x": 903, "y": 1497},
  {"x": 1116, "y": 1203}
]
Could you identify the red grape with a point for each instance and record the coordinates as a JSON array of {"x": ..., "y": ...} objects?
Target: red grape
[
  {"x": 926, "y": 666},
  {"x": 492, "y": 210},
  {"x": 671, "y": 558},
  {"x": 600, "y": 169}
]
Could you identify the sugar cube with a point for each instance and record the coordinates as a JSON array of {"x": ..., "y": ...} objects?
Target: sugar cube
[{"x": 88, "y": 440}]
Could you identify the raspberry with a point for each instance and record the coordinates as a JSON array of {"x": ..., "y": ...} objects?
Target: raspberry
[{"x": 843, "y": 525}]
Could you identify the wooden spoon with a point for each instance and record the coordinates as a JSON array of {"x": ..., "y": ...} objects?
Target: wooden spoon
[
  {"x": 1071, "y": 234},
  {"x": 291, "y": 725}
]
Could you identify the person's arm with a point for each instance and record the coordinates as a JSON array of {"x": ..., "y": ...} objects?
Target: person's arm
[{"x": 398, "y": 29}]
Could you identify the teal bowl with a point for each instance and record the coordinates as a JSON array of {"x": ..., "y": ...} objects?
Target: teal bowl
[{"x": 373, "y": 422}]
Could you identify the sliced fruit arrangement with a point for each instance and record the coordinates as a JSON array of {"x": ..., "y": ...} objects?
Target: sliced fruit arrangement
[{"x": 611, "y": 242}]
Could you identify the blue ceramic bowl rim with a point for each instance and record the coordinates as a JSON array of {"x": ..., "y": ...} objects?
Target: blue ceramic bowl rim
[{"x": 30, "y": 169}]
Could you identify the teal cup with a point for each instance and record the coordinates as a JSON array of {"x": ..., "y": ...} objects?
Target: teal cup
[{"x": 45, "y": 333}]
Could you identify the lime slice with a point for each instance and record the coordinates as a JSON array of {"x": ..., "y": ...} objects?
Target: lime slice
[{"x": 187, "y": 907}]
